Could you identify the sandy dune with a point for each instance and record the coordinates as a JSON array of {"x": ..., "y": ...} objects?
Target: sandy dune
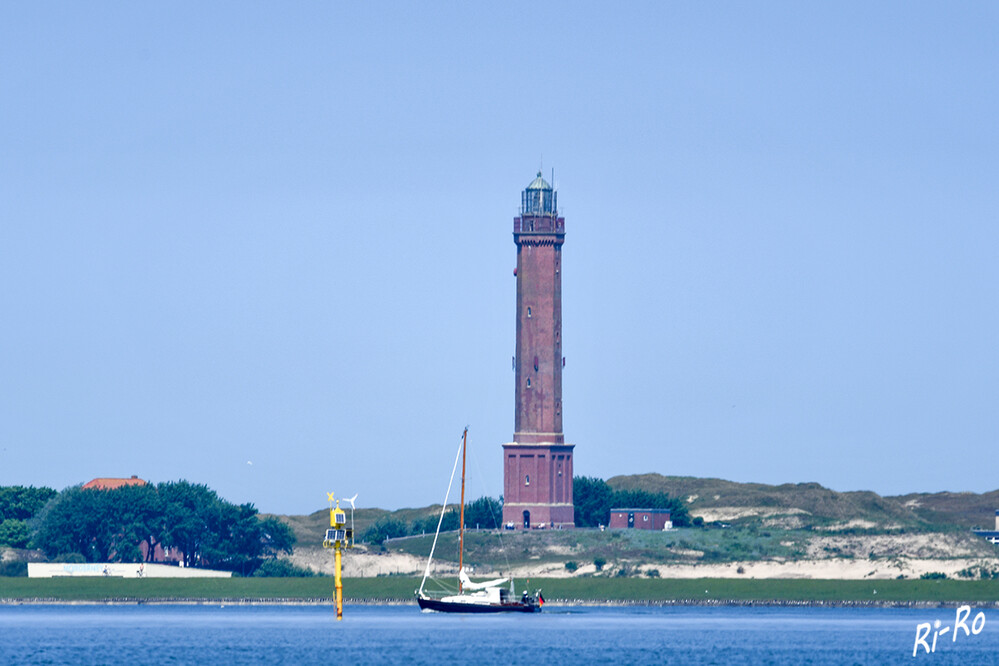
[
  {"x": 833, "y": 568},
  {"x": 878, "y": 556}
]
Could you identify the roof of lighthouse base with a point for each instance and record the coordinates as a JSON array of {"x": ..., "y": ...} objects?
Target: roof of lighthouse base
[{"x": 554, "y": 446}]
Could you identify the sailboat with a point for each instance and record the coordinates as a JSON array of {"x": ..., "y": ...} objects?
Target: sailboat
[{"x": 484, "y": 597}]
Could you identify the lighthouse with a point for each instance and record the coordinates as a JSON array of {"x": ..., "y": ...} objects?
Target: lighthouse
[{"x": 537, "y": 464}]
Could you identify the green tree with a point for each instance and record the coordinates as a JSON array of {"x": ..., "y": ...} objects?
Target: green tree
[
  {"x": 73, "y": 524},
  {"x": 101, "y": 525},
  {"x": 485, "y": 512},
  {"x": 643, "y": 499},
  {"x": 429, "y": 524},
  {"x": 14, "y": 533},
  {"x": 276, "y": 536},
  {"x": 592, "y": 499},
  {"x": 22, "y": 503},
  {"x": 242, "y": 541},
  {"x": 138, "y": 511},
  {"x": 233, "y": 540},
  {"x": 189, "y": 513},
  {"x": 110, "y": 525},
  {"x": 386, "y": 527}
]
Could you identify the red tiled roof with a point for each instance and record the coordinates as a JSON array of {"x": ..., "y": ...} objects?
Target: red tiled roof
[{"x": 111, "y": 484}]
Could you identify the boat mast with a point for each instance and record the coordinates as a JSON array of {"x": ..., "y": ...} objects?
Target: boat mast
[
  {"x": 461, "y": 518},
  {"x": 440, "y": 520}
]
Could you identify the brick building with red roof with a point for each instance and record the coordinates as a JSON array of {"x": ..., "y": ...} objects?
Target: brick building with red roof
[{"x": 159, "y": 553}]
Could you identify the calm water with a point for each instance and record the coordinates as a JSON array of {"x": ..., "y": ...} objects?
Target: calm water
[{"x": 403, "y": 635}]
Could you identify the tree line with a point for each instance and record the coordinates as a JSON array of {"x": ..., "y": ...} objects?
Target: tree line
[
  {"x": 592, "y": 497},
  {"x": 96, "y": 525},
  {"x": 484, "y": 513}
]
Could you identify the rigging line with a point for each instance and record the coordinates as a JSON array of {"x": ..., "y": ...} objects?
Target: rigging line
[
  {"x": 438, "y": 585},
  {"x": 497, "y": 520},
  {"x": 441, "y": 519}
]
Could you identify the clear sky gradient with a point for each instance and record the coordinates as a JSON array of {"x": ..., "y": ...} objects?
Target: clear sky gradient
[{"x": 267, "y": 246}]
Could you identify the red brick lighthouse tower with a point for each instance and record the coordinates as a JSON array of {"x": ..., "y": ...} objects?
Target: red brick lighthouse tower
[{"x": 537, "y": 465}]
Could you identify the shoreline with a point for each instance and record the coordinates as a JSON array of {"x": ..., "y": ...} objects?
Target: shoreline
[
  {"x": 390, "y": 590},
  {"x": 555, "y": 603}
]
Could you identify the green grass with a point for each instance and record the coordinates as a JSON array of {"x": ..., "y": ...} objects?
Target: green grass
[
  {"x": 400, "y": 588},
  {"x": 514, "y": 549},
  {"x": 724, "y": 589},
  {"x": 152, "y": 589}
]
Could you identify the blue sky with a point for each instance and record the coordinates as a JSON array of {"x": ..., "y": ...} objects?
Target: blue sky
[{"x": 247, "y": 233}]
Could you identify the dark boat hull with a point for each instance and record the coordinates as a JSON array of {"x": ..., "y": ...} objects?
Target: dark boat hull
[{"x": 427, "y": 603}]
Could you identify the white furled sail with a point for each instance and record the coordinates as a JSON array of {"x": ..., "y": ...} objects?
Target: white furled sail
[{"x": 469, "y": 585}]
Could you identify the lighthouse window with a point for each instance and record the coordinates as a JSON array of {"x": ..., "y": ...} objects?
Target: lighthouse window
[
  {"x": 528, "y": 382},
  {"x": 528, "y": 312},
  {"x": 527, "y": 479}
]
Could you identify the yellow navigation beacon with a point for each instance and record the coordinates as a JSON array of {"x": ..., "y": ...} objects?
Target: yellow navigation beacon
[{"x": 338, "y": 537}]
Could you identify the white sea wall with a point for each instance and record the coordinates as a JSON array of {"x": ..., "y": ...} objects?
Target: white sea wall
[{"x": 119, "y": 570}]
